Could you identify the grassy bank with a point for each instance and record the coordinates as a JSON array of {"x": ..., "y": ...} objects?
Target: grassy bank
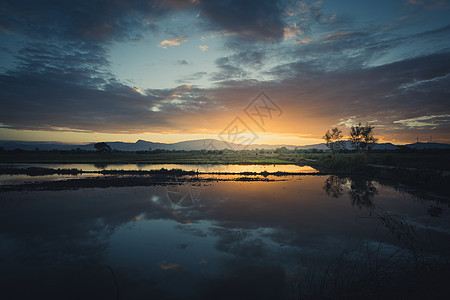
[
  {"x": 433, "y": 160},
  {"x": 425, "y": 159},
  {"x": 170, "y": 157}
]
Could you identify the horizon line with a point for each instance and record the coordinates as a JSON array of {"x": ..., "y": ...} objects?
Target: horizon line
[{"x": 168, "y": 143}]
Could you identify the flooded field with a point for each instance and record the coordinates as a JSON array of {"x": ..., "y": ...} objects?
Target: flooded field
[
  {"x": 203, "y": 168},
  {"x": 212, "y": 240}
]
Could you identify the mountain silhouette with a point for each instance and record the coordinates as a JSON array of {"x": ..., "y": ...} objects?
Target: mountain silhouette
[{"x": 207, "y": 144}]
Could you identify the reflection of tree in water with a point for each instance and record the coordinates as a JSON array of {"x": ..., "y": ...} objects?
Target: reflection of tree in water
[
  {"x": 361, "y": 191},
  {"x": 100, "y": 165},
  {"x": 334, "y": 186}
]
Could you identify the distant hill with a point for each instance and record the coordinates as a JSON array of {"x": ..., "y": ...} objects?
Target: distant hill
[
  {"x": 25, "y": 145},
  {"x": 208, "y": 144},
  {"x": 428, "y": 146}
]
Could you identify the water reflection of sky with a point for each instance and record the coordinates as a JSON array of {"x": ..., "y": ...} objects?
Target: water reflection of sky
[
  {"x": 187, "y": 167},
  {"x": 7, "y": 179},
  {"x": 236, "y": 238}
]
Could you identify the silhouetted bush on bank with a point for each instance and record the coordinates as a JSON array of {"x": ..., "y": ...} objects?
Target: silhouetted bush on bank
[{"x": 356, "y": 161}]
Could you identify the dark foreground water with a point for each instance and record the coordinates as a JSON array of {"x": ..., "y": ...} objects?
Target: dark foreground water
[{"x": 220, "y": 240}]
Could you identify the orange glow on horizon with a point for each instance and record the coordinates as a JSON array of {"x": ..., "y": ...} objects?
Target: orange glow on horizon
[{"x": 84, "y": 138}]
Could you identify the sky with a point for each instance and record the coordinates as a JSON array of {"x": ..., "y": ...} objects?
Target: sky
[{"x": 251, "y": 71}]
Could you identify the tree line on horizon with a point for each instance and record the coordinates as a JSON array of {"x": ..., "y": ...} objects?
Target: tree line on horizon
[{"x": 361, "y": 137}]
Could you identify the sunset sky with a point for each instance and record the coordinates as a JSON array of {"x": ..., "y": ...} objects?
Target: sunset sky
[{"x": 173, "y": 70}]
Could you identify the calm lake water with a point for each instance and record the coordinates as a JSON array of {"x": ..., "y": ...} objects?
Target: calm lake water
[
  {"x": 219, "y": 240},
  {"x": 204, "y": 168}
]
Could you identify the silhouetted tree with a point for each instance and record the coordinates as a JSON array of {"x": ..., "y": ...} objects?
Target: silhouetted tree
[
  {"x": 102, "y": 147},
  {"x": 333, "y": 139},
  {"x": 362, "y": 137}
]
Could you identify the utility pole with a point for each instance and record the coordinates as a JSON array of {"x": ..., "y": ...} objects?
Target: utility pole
[{"x": 417, "y": 139}]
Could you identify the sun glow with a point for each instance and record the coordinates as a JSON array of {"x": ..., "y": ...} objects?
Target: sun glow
[{"x": 87, "y": 137}]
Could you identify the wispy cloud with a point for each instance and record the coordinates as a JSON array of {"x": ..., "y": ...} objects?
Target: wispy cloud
[
  {"x": 292, "y": 31},
  {"x": 203, "y": 47},
  {"x": 192, "y": 77},
  {"x": 250, "y": 20},
  {"x": 425, "y": 121},
  {"x": 302, "y": 41},
  {"x": 428, "y": 4},
  {"x": 414, "y": 2},
  {"x": 171, "y": 43}
]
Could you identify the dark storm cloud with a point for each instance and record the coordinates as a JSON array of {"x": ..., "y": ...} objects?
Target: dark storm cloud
[
  {"x": 67, "y": 85},
  {"x": 95, "y": 21},
  {"x": 106, "y": 20},
  {"x": 381, "y": 89},
  {"x": 259, "y": 20},
  {"x": 80, "y": 101},
  {"x": 100, "y": 21},
  {"x": 68, "y": 66},
  {"x": 37, "y": 102},
  {"x": 62, "y": 78},
  {"x": 62, "y": 66}
]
